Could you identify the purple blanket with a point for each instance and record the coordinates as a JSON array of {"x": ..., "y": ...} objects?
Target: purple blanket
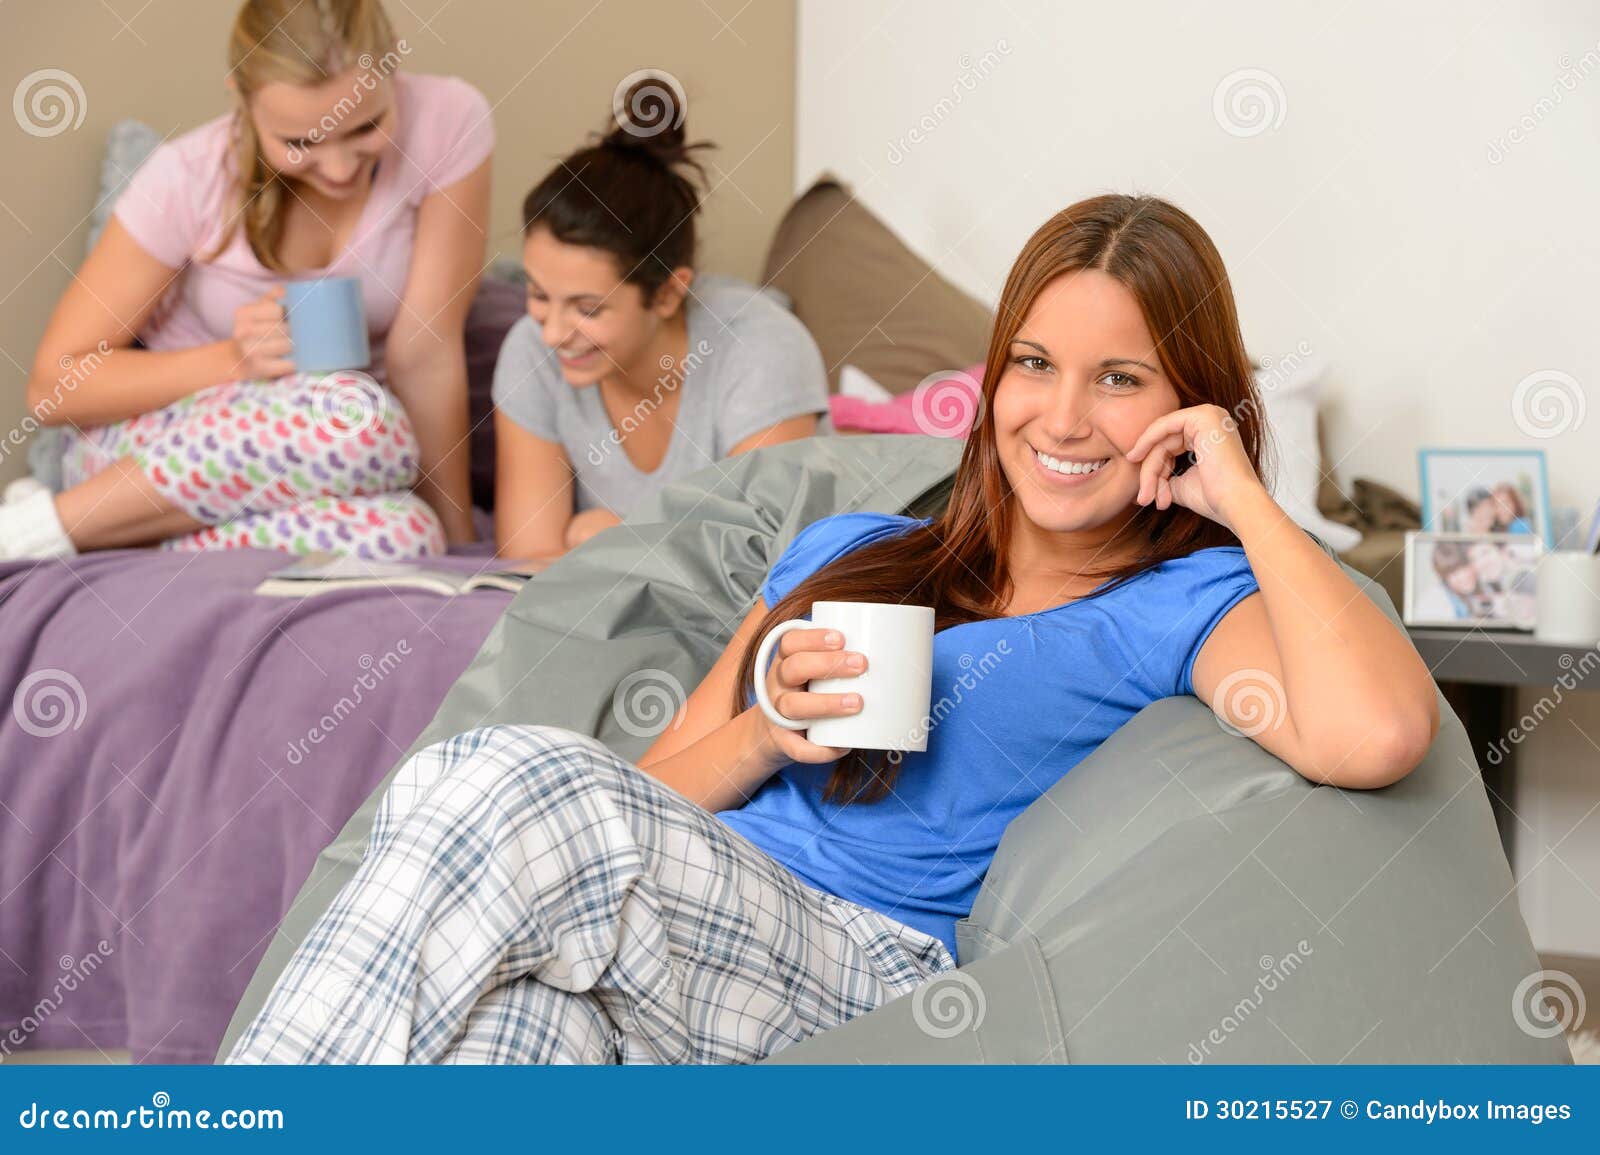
[{"x": 174, "y": 752}]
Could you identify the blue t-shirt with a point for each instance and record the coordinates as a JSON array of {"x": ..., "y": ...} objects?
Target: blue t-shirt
[{"x": 1017, "y": 702}]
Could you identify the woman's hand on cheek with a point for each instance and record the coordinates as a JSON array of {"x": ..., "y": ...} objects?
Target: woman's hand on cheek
[{"x": 1221, "y": 475}]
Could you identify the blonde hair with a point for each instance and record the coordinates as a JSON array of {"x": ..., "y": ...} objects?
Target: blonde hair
[{"x": 297, "y": 42}]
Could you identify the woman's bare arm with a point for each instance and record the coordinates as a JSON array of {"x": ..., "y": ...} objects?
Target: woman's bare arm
[
  {"x": 790, "y": 429},
  {"x": 533, "y": 490},
  {"x": 426, "y": 351},
  {"x": 86, "y": 373},
  {"x": 1311, "y": 668},
  {"x": 709, "y": 755}
]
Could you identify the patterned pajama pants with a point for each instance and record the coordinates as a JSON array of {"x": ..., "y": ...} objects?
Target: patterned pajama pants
[
  {"x": 528, "y": 896},
  {"x": 302, "y": 463}
]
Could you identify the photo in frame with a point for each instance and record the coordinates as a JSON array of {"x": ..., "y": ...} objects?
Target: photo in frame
[
  {"x": 1463, "y": 580},
  {"x": 1486, "y": 491}
]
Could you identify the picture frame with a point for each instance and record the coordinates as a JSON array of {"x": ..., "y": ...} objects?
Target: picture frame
[
  {"x": 1486, "y": 491},
  {"x": 1471, "y": 580}
]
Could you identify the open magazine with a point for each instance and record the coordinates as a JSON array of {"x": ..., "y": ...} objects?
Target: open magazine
[{"x": 323, "y": 572}]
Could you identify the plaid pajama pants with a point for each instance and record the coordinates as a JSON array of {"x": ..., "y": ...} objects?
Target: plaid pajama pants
[{"x": 528, "y": 896}]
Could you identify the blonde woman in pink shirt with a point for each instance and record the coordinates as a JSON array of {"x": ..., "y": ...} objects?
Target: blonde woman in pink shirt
[{"x": 202, "y": 434}]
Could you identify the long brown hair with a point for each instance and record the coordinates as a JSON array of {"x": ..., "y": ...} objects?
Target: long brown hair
[
  {"x": 296, "y": 42},
  {"x": 958, "y": 563}
]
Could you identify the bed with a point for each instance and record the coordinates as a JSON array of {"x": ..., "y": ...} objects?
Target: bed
[{"x": 174, "y": 753}]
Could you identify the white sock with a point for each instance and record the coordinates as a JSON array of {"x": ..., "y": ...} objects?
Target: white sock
[
  {"x": 31, "y": 528},
  {"x": 20, "y": 488}
]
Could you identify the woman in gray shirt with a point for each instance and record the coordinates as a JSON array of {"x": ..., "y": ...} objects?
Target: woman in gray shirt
[{"x": 629, "y": 370}]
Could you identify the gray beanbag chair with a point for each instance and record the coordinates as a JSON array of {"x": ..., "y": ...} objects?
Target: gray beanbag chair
[{"x": 1180, "y": 896}]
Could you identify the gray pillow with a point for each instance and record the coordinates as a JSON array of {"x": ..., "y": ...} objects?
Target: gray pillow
[{"x": 128, "y": 146}]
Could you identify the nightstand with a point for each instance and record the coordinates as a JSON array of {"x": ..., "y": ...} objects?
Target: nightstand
[{"x": 1478, "y": 672}]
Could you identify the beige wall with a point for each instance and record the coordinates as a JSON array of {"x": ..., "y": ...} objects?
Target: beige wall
[{"x": 549, "y": 68}]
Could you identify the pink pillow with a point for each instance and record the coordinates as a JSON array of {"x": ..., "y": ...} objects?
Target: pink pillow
[{"x": 944, "y": 405}]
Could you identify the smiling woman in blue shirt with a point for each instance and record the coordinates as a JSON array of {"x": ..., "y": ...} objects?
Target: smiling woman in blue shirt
[
  {"x": 751, "y": 888},
  {"x": 1116, "y": 353}
]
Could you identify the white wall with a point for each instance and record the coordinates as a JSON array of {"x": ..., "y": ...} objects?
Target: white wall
[
  {"x": 1369, "y": 223},
  {"x": 1419, "y": 208}
]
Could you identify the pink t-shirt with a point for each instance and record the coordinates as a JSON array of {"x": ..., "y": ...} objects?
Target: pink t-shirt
[{"x": 177, "y": 203}]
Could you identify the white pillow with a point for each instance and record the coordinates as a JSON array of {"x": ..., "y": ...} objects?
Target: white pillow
[
  {"x": 1289, "y": 395},
  {"x": 855, "y": 383}
]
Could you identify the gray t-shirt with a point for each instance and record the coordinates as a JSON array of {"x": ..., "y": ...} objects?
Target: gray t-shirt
[{"x": 750, "y": 364}]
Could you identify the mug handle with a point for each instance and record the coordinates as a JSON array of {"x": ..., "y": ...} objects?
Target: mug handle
[{"x": 763, "y": 653}]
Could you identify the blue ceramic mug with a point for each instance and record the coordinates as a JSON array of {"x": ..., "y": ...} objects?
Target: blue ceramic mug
[{"x": 327, "y": 324}]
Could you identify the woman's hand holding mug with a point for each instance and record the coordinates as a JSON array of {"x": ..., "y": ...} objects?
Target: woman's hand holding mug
[
  {"x": 803, "y": 653},
  {"x": 261, "y": 341},
  {"x": 833, "y": 694}
]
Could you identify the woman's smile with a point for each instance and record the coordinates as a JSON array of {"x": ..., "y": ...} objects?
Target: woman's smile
[
  {"x": 579, "y": 358},
  {"x": 339, "y": 190},
  {"x": 1067, "y": 471}
]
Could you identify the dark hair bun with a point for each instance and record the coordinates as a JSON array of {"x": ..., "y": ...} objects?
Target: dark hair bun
[
  {"x": 648, "y": 110},
  {"x": 635, "y": 190}
]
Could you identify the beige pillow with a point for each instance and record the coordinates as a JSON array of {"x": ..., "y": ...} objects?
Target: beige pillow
[{"x": 869, "y": 300}]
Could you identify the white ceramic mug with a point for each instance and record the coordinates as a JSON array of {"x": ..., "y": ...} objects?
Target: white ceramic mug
[
  {"x": 896, "y": 688},
  {"x": 1568, "y": 594}
]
